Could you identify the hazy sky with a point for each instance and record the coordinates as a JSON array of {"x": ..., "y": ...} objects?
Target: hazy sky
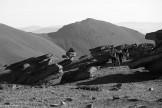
[{"x": 22, "y": 13}]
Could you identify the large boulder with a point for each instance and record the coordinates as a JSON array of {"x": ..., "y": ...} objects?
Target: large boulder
[
  {"x": 84, "y": 72},
  {"x": 155, "y": 36},
  {"x": 30, "y": 71},
  {"x": 101, "y": 53},
  {"x": 152, "y": 60},
  {"x": 140, "y": 50}
]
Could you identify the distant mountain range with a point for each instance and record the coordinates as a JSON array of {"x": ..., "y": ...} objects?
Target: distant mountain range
[
  {"x": 38, "y": 29},
  {"x": 143, "y": 27},
  {"x": 91, "y": 33},
  {"x": 17, "y": 45}
]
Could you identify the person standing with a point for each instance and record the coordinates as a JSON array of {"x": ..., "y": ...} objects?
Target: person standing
[
  {"x": 113, "y": 56},
  {"x": 120, "y": 57},
  {"x": 126, "y": 53}
]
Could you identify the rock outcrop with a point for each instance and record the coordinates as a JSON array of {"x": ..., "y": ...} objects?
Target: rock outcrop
[
  {"x": 30, "y": 71},
  {"x": 152, "y": 60},
  {"x": 84, "y": 72}
]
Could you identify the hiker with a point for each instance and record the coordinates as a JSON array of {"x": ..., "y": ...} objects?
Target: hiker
[
  {"x": 113, "y": 55},
  {"x": 119, "y": 56},
  {"x": 125, "y": 53}
]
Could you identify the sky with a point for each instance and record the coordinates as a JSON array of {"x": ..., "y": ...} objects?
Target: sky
[{"x": 23, "y": 13}]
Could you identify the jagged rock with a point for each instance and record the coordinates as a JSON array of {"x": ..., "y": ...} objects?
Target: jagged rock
[
  {"x": 31, "y": 70},
  {"x": 84, "y": 56},
  {"x": 99, "y": 56},
  {"x": 146, "y": 61},
  {"x": 101, "y": 50},
  {"x": 136, "y": 51},
  {"x": 155, "y": 36},
  {"x": 101, "y": 53},
  {"x": 152, "y": 60},
  {"x": 84, "y": 72}
]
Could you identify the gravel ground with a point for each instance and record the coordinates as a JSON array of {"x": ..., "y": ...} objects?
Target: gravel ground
[{"x": 112, "y": 87}]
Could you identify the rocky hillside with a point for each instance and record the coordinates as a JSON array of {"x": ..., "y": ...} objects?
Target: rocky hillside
[
  {"x": 92, "y": 33},
  {"x": 16, "y": 45}
]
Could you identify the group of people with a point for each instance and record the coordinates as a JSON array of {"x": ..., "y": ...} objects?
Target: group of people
[{"x": 117, "y": 56}]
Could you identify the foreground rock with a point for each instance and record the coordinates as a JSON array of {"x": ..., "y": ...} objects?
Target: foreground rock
[
  {"x": 130, "y": 92},
  {"x": 30, "y": 71},
  {"x": 153, "y": 60},
  {"x": 87, "y": 66},
  {"x": 101, "y": 53},
  {"x": 43, "y": 68},
  {"x": 84, "y": 72}
]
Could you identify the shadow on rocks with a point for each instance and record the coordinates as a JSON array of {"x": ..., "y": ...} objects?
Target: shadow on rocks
[{"x": 122, "y": 78}]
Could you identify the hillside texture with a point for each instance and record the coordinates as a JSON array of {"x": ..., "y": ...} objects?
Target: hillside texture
[
  {"x": 16, "y": 45},
  {"x": 92, "y": 33}
]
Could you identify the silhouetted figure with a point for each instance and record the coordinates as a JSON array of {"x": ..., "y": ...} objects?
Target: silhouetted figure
[
  {"x": 113, "y": 55},
  {"x": 120, "y": 56},
  {"x": 125, "y": 53}
]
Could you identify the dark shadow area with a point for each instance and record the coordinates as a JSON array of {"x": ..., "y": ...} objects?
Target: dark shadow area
[
  {"x": 109, "y": 64},
  {"x": 68, "y": 77},
  {"x": 122, "y": 78}
]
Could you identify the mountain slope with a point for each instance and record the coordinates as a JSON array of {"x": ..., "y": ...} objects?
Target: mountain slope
[
  {"x": 91, "y": 33},
  {"x": 16, "y": 45}
]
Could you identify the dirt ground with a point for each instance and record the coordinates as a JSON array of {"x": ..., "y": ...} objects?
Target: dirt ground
[{"x": 112, "y": 87}]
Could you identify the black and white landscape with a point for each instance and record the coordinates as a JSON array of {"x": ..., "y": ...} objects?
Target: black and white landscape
[{"x": 36, "y": 72}]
